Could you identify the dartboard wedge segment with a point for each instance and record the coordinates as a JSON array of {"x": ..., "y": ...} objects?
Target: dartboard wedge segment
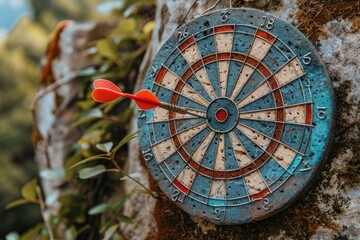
[{"x": 259, "y": 116}]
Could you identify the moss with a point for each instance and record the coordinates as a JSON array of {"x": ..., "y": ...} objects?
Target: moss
[
  {"x": 265, "y": 5},
  {"x": 313, "y": 14},
  {"x": 347, "y": 136}
]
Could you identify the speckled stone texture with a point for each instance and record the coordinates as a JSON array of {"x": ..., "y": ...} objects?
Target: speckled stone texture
[{"x": 331, "y": 209}]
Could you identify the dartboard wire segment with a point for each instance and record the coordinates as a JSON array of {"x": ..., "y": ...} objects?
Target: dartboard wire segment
[{"x": 262, "y": 112}]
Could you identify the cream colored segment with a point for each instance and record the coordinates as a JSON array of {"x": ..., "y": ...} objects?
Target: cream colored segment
[
  {"x": 218, "y": 189},
  {"x": 192, "y": 94},
  {"x": 191, "y": 132},
  {"x": 254, "y": 183},
  {"x": 259, "y": 139},
  {"x": 242, "y": 157},
  {"x": 261, "y": 91},
  {"x": 220, "y": 155},
  {"x": 224, "y": 42},
  {"x": 163, "y": 150},
  {"x": 223, "y": 67},
  {"x": 269, "y": 115},
  {"x": 289, "y": 72},
  {"x": 284, "y": 155},
  {"x": 203, "y": 78},
  {"x": 244, "y": 76},
  {"x": 186, "y": 176},
  {"x": 201, "y": 150},
  {"x": 295, "y": 114},
  {"x": 169, "y": 80},
  {"x": 160, "y": 114},
  {"x": 192, "y": 54},
  {"x": 259, "y": 49}
]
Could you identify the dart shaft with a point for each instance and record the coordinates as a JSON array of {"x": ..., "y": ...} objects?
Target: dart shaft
[{"x": 173, "y": 108}]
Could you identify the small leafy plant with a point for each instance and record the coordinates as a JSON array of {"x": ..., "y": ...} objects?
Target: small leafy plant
[{"x": 88, "y": 208}]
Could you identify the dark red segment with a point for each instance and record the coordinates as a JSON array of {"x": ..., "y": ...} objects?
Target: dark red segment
[
  {"x": 265, "y": 35},
  {"x": 223, "y": 56},
  {"x": 161, "y": 74},
  {"x": 187, "y": 43},
  {"x": 187, "y": 74},
  {"x": 264, "y": 70},
  {"x": 308, "y": 113},
  {"x": 197, "y": 65},
  {"x": 180, "y": 186},
  {"x": 262, "y": 159},
  {"x": 252, "y": 62},
  {"x": 278, "y": 98},
  {"x": 273, "y": 83},
  {"x": 209, "y": 59},
  {"x": 260, "y": 195},
  {"x": 249, "y": 168},
  {"x": 238, "y": 56},
  {"x": 224, "y": 28}
]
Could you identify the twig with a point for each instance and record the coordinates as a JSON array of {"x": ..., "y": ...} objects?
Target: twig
[
  {"x": 43, "y": 213},
  {"x": 152, "y": 193},
  {"x": 42, "y": 93},
  {"x": 212, "y": 7},
  {"x": 183, "y": 19}
]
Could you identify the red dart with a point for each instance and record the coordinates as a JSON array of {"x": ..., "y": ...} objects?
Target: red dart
[{"x": 106, "y": 91}]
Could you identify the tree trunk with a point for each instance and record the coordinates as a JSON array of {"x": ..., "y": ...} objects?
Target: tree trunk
[{"x": 331, "y": 208}]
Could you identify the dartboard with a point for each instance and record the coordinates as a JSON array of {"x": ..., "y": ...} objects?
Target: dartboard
[{"x": 259, "y": 116}]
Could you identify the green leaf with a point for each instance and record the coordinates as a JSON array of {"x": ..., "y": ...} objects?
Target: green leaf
[
  {"x": 104, "y": 226},
  {"x": 86, "y": 104},
  {"x": 110, "y": 105},
  {"x": 107, "y": 48},
  {"x": 100, "y": 208},
  {"x": 32, "y": 233},
  {"x": 125, "y": 140},
  {"x": 70, "y": 233},
  {"x": 110, "y": 232},
  {"x": 88, "y": 116},
  {"x": 126, "y": 28},
  {"x": 54, "y": 174},
  {"x": 126, "y": 115},
  {"x": 28, "y": 192},
  {"x": 105, "y": 147},
  {"x": 90, "y": 159},
  {"x": 149, "y": 26},
  {"x": 71, "y": 172},
  {"x": 87, "y": 72},
  {"x": 17, "y": 203},
  {"x": 125, "y": 219},
  {"x": 12, "y": 236},
  {"x": 91, "y": 171}
]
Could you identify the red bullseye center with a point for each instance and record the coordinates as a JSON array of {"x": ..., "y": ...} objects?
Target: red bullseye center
[{"x": 221, "y": 115}]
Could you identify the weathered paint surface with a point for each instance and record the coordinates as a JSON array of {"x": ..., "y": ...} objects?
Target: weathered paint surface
[{"x": 285, "y": 97}]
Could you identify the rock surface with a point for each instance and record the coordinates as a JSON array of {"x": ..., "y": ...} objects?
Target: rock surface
[{"x": 331, "y": 209}]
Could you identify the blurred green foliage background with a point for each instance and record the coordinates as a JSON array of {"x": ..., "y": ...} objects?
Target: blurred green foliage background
[{"x": 20, "y": 54}]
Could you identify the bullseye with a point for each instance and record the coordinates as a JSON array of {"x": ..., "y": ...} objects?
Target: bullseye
[{"x": 221, "y": 115}]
